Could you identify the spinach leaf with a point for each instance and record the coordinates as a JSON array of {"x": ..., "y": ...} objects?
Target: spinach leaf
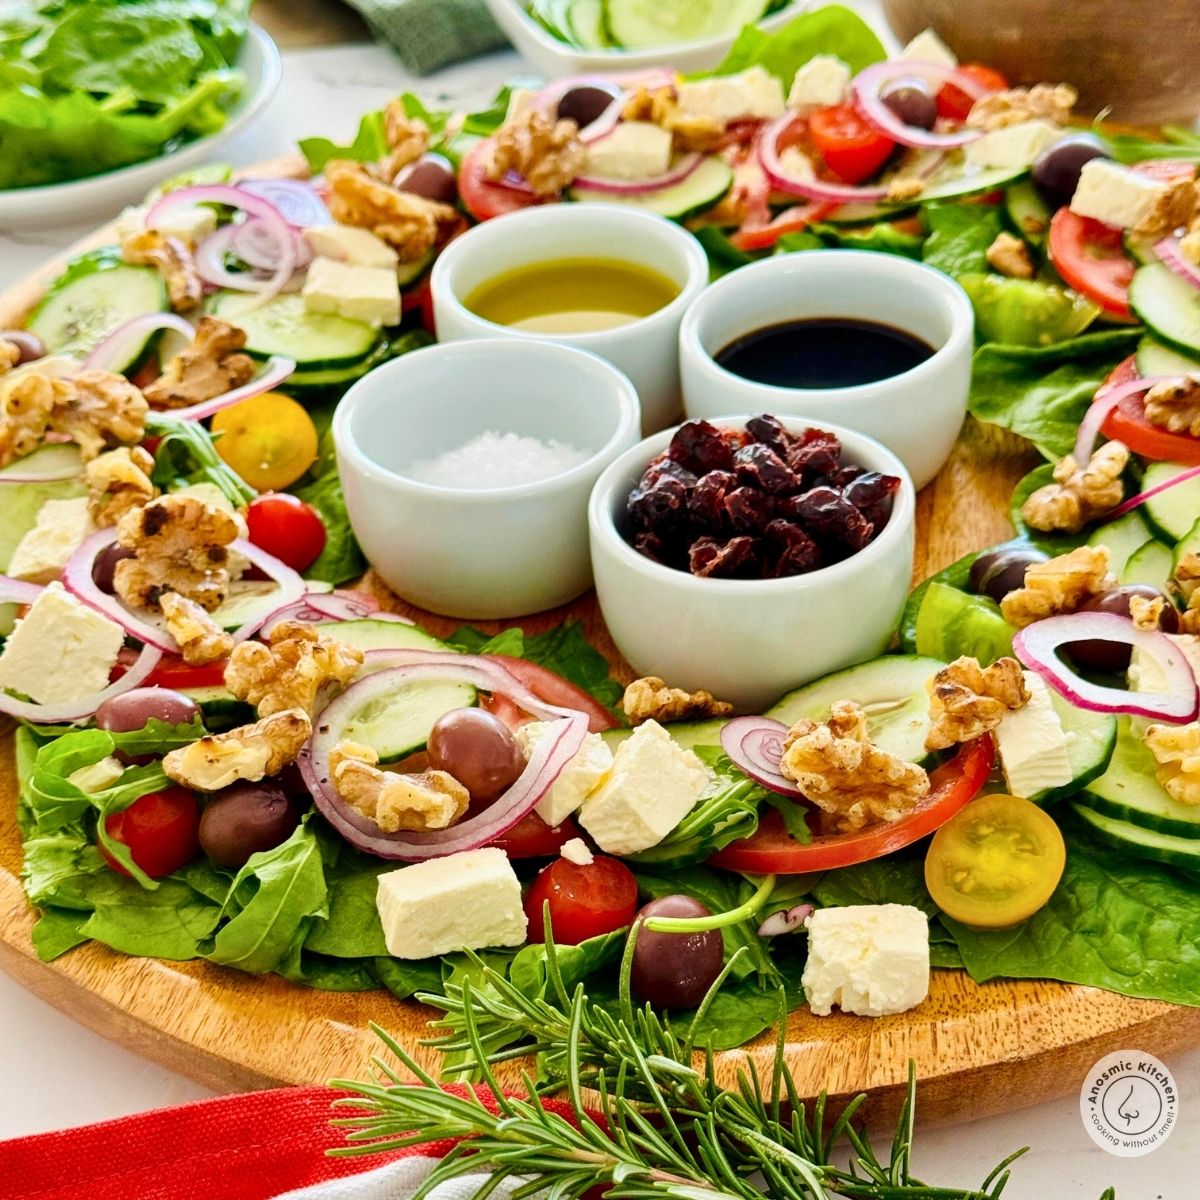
[
  {"x": 341, "y": 560},
  {"x": 352, "y": 929},
  {"x": 884, "y": 236},
  {"x": 301, "y": 965},
  {"x": 168, "y": 922},
  {"x": 741, "y": 1010},
  {"x": 723, "y": 255},
  {"x": 959, "y": 235},
  {"x": 370, "y": 143},
  {"x": 404, "y": 979},
  {"x": 528, "y": 969}
]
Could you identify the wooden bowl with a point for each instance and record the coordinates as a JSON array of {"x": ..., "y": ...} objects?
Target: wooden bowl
[{"x": 1136, "y": 57}]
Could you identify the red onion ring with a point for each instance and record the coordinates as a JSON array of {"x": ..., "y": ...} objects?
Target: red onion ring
[
  {"x": 867, "y": 87},
  {"x": 210, "y": 263},
  {"x": 1141, "y": 498},
  {"x": 754, "y": 745},
  {"x": 277, "y": 369},
  {"x": 142, "y": 327},
  {"x": 637, "y": 187},
  {"x": 71, "y": 468},
  {"x": 789, "y": 920},
  {"x": 297, "y": 201},
  {"x": 1036, "y": 647},
  {"x": 1107, "y": 398},
  {"x": 319, "y": 607},
  {"x": 544, "y": 766},
  {"x": 255, "y": 245},
  {"x": 18, "y": 591},
  {"x": 1169, "y": 252}
]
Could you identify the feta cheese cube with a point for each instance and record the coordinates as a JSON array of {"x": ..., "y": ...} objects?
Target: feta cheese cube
[
  {"x": 927, "y": 47},
  {"x": 465, "y": 901},
  {"x": 520, "y": 100},
  {"x": 1115, "y": 195},
  {"x": 592, "y": 761},
  {"x": 1013, "y": 146},
  {"x": 367, "y": 294},
  {"x": 754, "y": 92},
  {"x": 868, "y": 959},
  {"x": 1033, "y": 746},
  {"x": 347, "y": 243},
  {"x": 654, "y": 783},
  {"x": 820, "y": 82},
  {"x": 98, "y": 776},
  {"x": 634, "y": 150},
  {"x": 61, "y": 527},
  {"x": 60, "y": 651},
  {"x": 576, "y": 850},
  {"x": 190, "y": 223}
]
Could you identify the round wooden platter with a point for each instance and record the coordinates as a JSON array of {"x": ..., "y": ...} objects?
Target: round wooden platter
[{"x": 978, "y": 1049}]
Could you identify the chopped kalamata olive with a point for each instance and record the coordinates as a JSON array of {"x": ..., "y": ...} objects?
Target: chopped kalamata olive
[
  {"x": 706, "y": 502},
  {"x": 700, "y": 447},
  {"x": 431, "y": 176},
  {"x": 800, "y": 554},
  {"x": 871, "y": 493},
  {"x": 828, "y": 515},
  {"x": 1095, "y": 655},
  {"x": 662, "y": 507},
  {"x": 912, "y": 103},
  {"x": 770, "y": 431},
  {"x": 583, "y": 104},
  {"x": 748, "y": 509},
  {"x": 999, "y": 572},
  {"x": 815, "y": 453},
  {"x": 709, "y": 557},
  {"x": 759, "y": 466}
]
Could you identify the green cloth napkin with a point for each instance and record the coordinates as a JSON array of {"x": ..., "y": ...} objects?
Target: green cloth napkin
[{"x": 428, "y": 34}]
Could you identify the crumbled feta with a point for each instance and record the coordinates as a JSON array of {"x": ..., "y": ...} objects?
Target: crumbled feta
[
  {"x": 754, "y": 92},
  {"x": 1116, "y": 195},
  {"x": 348, "y": 243},
  {"x": 634, "y": 150},
  {"x": 368, "y": 294},
  {"x": 520, "y": 100},
  {"x": 654, "y": 783},
  {"x": 60, "y": 651},
  {"x": 190, "y": 223},
  {"x": 868, "y": 959},
  {"x": 1034, "y": 748},
  {"x": 820, "y": 82},
  {"x": 1012, "y": 146},
  {"x": 465, "y": 901},
  {"x": 43, "y": 553},
  {"x": 927, "y": 47},
  {"x": 97, "y": 776},
  {"x": 591, "y": 763},
  {"x": 576, "y": 850}
]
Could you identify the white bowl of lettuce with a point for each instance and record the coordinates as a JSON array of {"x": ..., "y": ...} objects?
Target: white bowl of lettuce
[{"x": 101, "y": 101}]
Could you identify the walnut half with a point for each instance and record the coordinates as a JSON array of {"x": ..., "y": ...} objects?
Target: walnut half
[
  {"x": 966, "y": 699},
  {"x": 251, "y": 753},
  {"x": 1174, "y": 404},
  {"x": 1061, "y": 585},
  {"x": 546, "y": 153},
  {"x": 1078, "y": 495},
  {"x": 649, "y": 699},
  {"x": 430, "y": 800},
  {"x": 1176, "y": 749},
  {"x": 201, "y": 640},
  {"x": 212, "y": 365},
  {"x": 117, "y": 481}
]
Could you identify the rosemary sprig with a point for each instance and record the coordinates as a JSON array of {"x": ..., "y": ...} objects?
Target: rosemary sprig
[{"x": 668, "y": 1129}]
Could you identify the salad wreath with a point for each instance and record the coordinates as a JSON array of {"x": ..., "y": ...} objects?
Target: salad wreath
[{"x": 223, "y": 754}]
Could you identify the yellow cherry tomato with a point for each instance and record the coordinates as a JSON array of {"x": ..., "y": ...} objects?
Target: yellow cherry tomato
[
  {"x": 995, "y": 863},
  {"x": 269, "y": 440}
]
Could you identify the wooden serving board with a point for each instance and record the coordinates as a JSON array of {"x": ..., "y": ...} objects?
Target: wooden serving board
[{"x": 978, "y": 1049}]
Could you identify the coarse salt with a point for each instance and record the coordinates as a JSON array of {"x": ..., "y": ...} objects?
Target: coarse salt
[{"x": 497, "y": 460}]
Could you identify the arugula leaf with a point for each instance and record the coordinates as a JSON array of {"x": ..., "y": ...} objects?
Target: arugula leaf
[
  {"x": 370, "y": 143},
  {"x": 187, "y": 455},
  {"x": 1181, "y": 143},
  {"x": 959, "y": 235}
]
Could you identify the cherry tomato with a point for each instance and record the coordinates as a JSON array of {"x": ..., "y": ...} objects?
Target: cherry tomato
[
  {"x": 1127, "y": 423},
  {"x": 851, "y": 148},
  {"x": 953, "y": 104},
  {"x": 585, "y": 901},
  {"x": 161, "y": 829},
  {"x": 554, "y": 689},
  {"x": 419, "y": 297},
  {"x": 1091, "y": 258},
  {"x": 269, "y": 440},
  {"x": 483, "y": 198},
  {"x": 531, "y": 837},
  {"x": 286, "y": 527},
  {"x": 173, "y": 673},
  {"x": 755, "y": 236},
  {"x": 772, "y": 851},
  {"x": 995, "y": 863}
]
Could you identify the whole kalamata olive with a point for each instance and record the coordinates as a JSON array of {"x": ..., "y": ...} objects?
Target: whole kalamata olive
[
  {"x": 1002, "y": 571},
  {"x": 1057, "y": 168},
  {"x": 478, "y": 750},
  {"x": 431, "y": 176},
  {"x": 1097, "y": 655},
  {"x": 104, "y": 566},
  {"x": 675, "y": 970},
  {"x": 910, "y": 100},
  {"x": 133, "y": 709},
  {"x": 243, "y": 819},
  {"x": 29, "y": 345},
  {"x": 585, "y": 103}
]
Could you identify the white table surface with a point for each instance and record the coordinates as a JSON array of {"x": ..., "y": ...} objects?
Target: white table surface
[{"x": 54, "y": 1073}]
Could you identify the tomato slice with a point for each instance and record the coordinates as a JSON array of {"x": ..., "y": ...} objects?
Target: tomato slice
[
  {"x": 585, "y": 901},
  {"x": 852, "y": 149},
  {"x": 953, "y": 104},
  {"x": 483, "y": 198},
  {"x": 531, "y": 837},
  {"x": 995, "y": 863},
  {"x": 1127, "y": 423},
  {"x": 1091, "y": 258},
  {"x": 161, "y": 829},
  {"x": 554, "y": 689},
  {"x": 755, "y": 236},
  {"x": 172, "y": 672},
  {"x": 772, "y": 851}
]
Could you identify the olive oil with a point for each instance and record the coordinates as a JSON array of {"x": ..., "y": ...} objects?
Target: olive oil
[{"x": 572, "y": 295}]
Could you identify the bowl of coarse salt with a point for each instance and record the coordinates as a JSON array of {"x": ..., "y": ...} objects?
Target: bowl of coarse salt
[{"x": 467, "y": 467}]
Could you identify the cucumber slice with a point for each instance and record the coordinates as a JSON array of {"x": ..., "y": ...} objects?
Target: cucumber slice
[
  {"x": 284, "y": 326},
  {"x": 1140, "y": 249},
  {"x": 1169, "y": 305},
  {"x": 703, "y": 188},
  {"x": 1146, "y": 843},
  {"x": 1122, "y": 537},
  {"x": 48, "y": 459},
  {"x": 585, "y": 23},
  {"x": 1171, "y": 513},
  {"x": 220, "y": 708},
  {"x": 634, "y": 23},
  {"x": 951, "y": 622},
  {"x": 77, "y": 317},
  {"x": 687, "y": 734},
  {"x": 1153, "y": 358},
  {"x": 22, "y": 502},
  {"x": 1128, "y": 790},
  {"x": 1028, "y": 212},
  {"x": 860, "y": 214},
  {"x": 1093, "y": 738},
  {"x": 248, "y": 599},
  {"x": 1151, "y": 563},
  {"x": 954, "y": 180},
  {"x": 892, "y": 691},
  {"x": 1188, "y": 544}
]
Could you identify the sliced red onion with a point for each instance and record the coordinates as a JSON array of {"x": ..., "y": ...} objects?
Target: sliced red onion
[
  {"x": 255, "y": 244},
  {"x": 79, "y": 710},
  {"x": 276, "y": 370},
  {"x": 755, "y": 746},
  {"x": 677, "y": 173},
  {"x": 137, "y": 329},
  {"x": 544, "y": 766},
  {"x": 788, "y": 921},
  {"x": 867, "y": 88},
  {"x": 60, "y": 461},
  {"x": 297, "y": 201},
  {"x": 1106, "y": 400},
  {"x": 1141, "y": 498},
  {"x": 210, "y": 263},
  {"x": 18, "y": 591},
  {"x": 1037, "y": 645},
  {"x": 291, "y": 583},
  {"x": 317, "y": 607},
  {"x": 1168, "y": 250}
]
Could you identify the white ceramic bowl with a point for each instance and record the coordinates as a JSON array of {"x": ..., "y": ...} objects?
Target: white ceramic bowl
[
  {"x": 917, "y": 414},
  {"x": 748, "y": 640},
  {"x": 647, "y": 350},
  {"x": 101, "y": 195},
  {"x": 499, "y": 552},
  {"x": 556, "y": 58}
]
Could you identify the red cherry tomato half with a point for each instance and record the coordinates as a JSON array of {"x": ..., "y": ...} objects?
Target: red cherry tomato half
[
  {"x": 772, "y": 851},
  {"x": 851, "y": 148},
  {"x": 172, "y": 672},
  {"x": 483, "y": 198},
  {"x": 1091, "y": 258},
  {"x": 531, "y": 837},
  {"x": 585, "y": 901},
  {"x": 283, "y": 525},
  {"x": 953, "y": 104},
  {"x": 1127, "y": 423},
  {"x": 554, "y": 689},
  {"x": 161, "y": 830}
]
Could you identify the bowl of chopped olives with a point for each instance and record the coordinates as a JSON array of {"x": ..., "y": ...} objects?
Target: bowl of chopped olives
[{"x": 749, "y": 555}]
